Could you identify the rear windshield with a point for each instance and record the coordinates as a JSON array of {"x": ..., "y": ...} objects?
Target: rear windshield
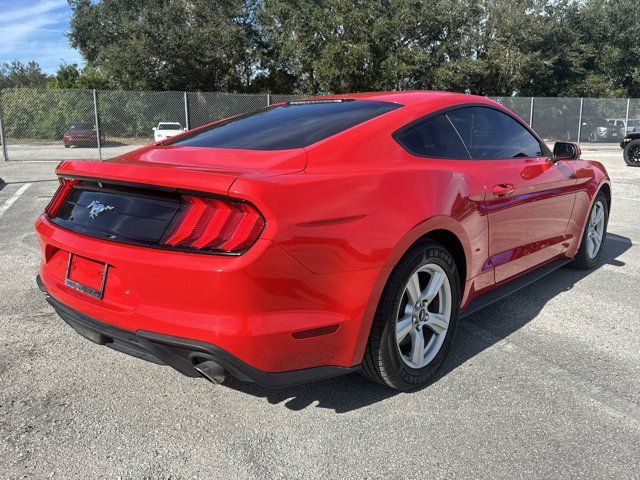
[
  {"x": 293, "y": 125},
  {"x": 169, "y": 126}
]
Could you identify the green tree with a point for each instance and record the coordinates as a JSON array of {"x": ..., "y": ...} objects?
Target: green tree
[
  {"x": 19, "y": 74},
  {"x": 611, "y": 30},
  {"x": 86, "y": 78},
  {"x": 175, "y": 44}
]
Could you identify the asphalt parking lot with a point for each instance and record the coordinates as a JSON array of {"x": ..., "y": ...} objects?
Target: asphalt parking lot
[{"x": 544, "y": 384}]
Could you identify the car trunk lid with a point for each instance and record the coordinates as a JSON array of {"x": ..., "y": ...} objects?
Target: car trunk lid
[
  {"x": 210, "y": 170},
  {"x": 135, "y": 198}
]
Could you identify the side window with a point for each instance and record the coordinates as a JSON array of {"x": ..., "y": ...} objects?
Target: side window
[
  {"x": 490, "y": 134},
  {"x": 434, "y": 137}
]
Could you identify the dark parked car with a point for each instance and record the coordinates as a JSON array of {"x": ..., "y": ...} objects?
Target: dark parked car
[
  {"x": 599, "y": 130},
  {"x": 631, "y": 146},
  {"x": 81, "y": 135}
]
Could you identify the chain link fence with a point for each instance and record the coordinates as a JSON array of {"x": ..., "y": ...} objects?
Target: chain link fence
[{"x": 89, "y": 124}]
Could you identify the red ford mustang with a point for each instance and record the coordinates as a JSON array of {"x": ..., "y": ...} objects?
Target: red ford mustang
[{"x": 318, "y": 237}]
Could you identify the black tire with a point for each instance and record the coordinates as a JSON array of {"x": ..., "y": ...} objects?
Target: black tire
[
  {"x": 382, "y": 360},
  {"x": 583, "y": 260},
  {"x": 632, "y": 153}
]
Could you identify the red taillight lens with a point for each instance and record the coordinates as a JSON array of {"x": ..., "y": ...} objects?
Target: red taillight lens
[
  {"x": 66, "y": 184},
  {"x": 213, "y": 224}
]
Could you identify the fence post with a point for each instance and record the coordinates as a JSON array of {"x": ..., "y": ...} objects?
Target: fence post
[
  {"x": 186, "y": 110},
  {"x": 626, "y": 117},
  {"x": 2, "y": 137},
  {"x": 95, "y": 112},
  {"x": 268, "y": 99},
  {"x": 580, "y": 119},
  {"x": 531, "y": 113}
]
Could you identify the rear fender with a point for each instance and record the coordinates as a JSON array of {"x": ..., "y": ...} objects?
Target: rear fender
[{"x": 419, "y": 231}]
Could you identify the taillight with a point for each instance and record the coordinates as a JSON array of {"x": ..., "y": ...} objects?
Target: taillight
[
  {"x": 66, "y": 184},
  {"x": 216, "y": 225}
]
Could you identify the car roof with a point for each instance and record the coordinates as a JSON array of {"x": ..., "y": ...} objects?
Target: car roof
[{"x": 405, "y": 97}]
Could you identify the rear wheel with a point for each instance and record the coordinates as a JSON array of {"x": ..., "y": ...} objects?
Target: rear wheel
[
  {"x": 595, "y": 234},
  {"x": 632, "y": 153},
  {"x": 416, "y": 319}
]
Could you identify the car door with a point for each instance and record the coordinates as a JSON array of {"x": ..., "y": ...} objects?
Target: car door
[{"x": 528, "y": 199}]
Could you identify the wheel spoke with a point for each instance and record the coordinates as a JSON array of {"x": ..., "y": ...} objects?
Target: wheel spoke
[
  {"x": 403, "y": 328},
  {"x": 592, "y": 247},
  {"x": 599, "y": 215},
  {"x": 417, "y": 348},
  {"x": 434, "y": 286},
  {"x": 596, "y": 241},
  {"x": 437, "y": 322},
  {"x": 413, "y": 289}
]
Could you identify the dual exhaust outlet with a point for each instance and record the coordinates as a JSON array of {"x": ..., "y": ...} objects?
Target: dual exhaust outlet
[{"x": 211, "y": 371}]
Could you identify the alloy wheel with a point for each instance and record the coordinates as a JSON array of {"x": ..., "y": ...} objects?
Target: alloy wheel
[
  {"x": 423, "y": 316},
  {"x": 595, "y": 230}
]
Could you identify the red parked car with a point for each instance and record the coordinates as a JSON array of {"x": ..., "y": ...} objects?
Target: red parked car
[
  {"x": 81, "y": 135},
  {"x": 318, "y": 237}
]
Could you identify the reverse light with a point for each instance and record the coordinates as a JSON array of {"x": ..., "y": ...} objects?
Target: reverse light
[
  {"x": 66, "y": 184},
  {"x": 214, "y": 225}
]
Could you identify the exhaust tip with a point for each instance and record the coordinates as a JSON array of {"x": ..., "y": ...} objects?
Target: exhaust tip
[{"x": 211, "y": 371}]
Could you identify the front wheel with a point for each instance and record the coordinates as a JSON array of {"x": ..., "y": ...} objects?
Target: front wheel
[
  {"x": 632, "y": 153},
  {"x": 416, "y": 319}
]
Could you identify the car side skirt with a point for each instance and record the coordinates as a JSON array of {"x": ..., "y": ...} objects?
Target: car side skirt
[{"x": 512, "y": 286}]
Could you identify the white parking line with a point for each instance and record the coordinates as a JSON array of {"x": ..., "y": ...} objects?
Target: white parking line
[{"x": 5, "y": 206}]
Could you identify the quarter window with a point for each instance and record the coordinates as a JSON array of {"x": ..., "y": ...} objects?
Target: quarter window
[
  {"x": 434, "y": 137},
  {"x": 491, "y": 134}
]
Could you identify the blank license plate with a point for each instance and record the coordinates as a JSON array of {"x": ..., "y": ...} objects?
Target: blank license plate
[{"x": 86, "y": 275}]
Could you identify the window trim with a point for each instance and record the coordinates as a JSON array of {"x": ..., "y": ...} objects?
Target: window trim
[{"x": 396, "y": 135}]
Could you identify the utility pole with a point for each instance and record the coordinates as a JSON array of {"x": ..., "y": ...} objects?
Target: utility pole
[
  {"x": 531, "y": 114},
  {"x": 186, "y": 110},
  {"x": 95, "y": 112},
  {"x": 2, "y": 137},
  {"x": 580, "y": 119}
]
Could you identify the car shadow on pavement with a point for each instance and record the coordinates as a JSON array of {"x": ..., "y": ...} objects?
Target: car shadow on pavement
[{"x": 496, "y": 322}]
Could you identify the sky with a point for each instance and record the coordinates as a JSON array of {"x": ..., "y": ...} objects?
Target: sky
[{"x": 35, "y": 30}]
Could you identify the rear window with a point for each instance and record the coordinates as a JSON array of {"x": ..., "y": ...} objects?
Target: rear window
[
  {"x": 81, "y": 126},
  {"x": 169, "y": 126},
  {"x": 293, "y": 125}
]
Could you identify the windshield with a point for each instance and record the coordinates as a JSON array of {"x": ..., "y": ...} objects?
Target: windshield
[
  {"x": 81, "y": 126},
  {"x": 169, "y": 126},
  {"x": 293, "y": 125}
]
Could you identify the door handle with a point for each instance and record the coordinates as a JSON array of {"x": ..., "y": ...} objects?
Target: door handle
[{"x": 503, "y": 189}]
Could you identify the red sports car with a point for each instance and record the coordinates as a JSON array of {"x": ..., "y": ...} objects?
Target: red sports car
[{"x": 319, "y": 237}]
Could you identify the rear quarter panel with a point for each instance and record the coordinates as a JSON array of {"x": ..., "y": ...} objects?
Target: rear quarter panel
[
  {"x": 362, "y": 202},
  {"x": 591, "y": 176}
]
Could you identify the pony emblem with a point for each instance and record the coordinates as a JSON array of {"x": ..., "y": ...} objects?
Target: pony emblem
[{"x": 96, "y": 208}]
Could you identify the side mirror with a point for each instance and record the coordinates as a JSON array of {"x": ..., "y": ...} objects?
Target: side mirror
[
  {"x": 566, "y": 151},
  {"x": 154, "y": 128}
]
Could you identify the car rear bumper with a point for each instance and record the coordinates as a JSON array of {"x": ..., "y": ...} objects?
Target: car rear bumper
[
  {"x": 263, "y": 307},
  {"x": 180, "y": 353}
]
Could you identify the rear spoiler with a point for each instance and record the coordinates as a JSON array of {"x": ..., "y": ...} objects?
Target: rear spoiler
[{"x": 167, "y": 176}]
